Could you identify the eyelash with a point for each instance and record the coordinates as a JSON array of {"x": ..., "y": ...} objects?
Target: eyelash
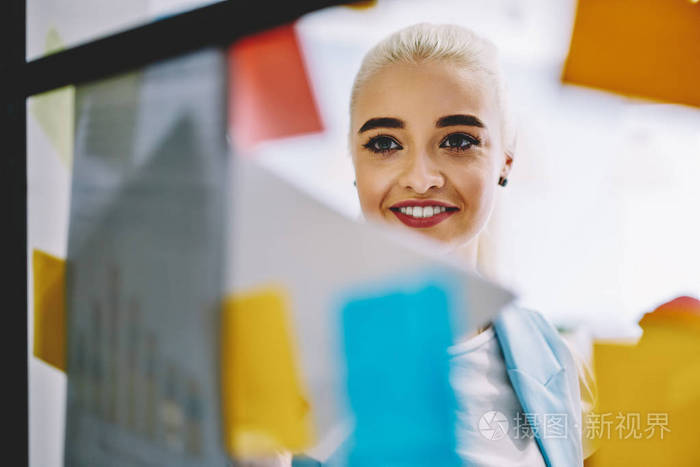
[
  {"x": 372, "y": 141},
  {"x": 370, "y": 145},
  {"x": 472, "y": 141}
]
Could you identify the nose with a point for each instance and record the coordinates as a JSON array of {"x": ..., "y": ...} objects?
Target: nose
[{"x": 420, "y": 173}]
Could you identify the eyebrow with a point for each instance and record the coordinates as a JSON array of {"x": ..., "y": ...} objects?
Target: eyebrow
[
  {"x": 383, "y": 122},
  {"x": 453, "y": 120}
]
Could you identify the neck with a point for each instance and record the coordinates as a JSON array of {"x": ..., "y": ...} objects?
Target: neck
[{"x": 469, "y": 253}]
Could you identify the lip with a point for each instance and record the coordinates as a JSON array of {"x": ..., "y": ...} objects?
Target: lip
[
  {"x": 422, "y": 202},
  {"x": 422, "y": 222}
]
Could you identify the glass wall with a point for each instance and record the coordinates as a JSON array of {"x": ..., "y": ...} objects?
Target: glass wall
[{"x": 58, "y": 24}]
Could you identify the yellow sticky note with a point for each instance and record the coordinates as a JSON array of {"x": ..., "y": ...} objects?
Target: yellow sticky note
[
  {"x": 49, "y": 309},
  {"x": 264, "y": 405},
  {"x": 54, "y": 110},
  {"x": 649, "y": 401},
  {"x": 362, "y": 5}
]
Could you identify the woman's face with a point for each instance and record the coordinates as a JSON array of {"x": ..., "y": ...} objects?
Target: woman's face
[{"x": 427, "y": 149}]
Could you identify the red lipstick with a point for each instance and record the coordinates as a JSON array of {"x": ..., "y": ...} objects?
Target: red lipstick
[{"x": 422, "y": 222}]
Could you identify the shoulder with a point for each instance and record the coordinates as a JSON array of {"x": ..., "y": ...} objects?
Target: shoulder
[
  {"x": 516, "y": 322},
  {"x": 570, "y": 358},
  {"x": 525, "y": 330}
]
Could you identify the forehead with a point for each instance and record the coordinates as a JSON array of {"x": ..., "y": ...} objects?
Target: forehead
[{"x": 419, "y": 94}]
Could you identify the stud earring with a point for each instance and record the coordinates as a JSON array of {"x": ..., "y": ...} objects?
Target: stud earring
[
  {"x": 354, "y": 182},
  {"x": 503, "y": 181}
]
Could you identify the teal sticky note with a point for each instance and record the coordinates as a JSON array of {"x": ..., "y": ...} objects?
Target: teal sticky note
[{"x": 395, "y": 343}]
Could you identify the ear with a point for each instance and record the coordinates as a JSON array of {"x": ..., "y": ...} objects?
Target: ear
[{"x": 507, "y": 164}]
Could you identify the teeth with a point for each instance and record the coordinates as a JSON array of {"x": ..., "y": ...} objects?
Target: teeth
[{"x": 422, "y": 211}]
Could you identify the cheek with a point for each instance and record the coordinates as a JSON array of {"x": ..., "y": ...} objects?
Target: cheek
[
  {"x": 371, "y": 187},
  {"x": 368, "y": 200},
  {"x": 476, "y": 191}
]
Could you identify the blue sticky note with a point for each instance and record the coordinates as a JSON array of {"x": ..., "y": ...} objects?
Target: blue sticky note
[{"x": 395, "y": 343}]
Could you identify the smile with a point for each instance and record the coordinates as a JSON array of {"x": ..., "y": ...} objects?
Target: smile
[{"x": 424, "y": 215}]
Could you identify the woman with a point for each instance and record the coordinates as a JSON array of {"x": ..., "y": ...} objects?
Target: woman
[{"x": 431, "y": 144}]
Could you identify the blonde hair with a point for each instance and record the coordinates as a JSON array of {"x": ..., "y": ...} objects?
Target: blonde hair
[{"x": 426, "y": 42}]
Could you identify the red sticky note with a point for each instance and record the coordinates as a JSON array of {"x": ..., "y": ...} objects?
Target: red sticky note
[
  {"x": 681, "y": 310},
  {"x": 270, "y": 92}
]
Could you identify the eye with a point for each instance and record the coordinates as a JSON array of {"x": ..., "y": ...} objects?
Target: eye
[
  {"x": 459, "y": 141},
  {"x": 382, "y": 144}
]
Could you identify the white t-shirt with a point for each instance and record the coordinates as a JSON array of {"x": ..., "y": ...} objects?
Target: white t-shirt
[{"x": 492, "y": 429}]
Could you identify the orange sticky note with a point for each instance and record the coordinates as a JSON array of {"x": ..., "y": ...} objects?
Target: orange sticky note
[
  {"x": 647, "y": 49},
  {"x": 270, "y": 91},
  {"x": 264, "y": 405},
  {"x": 49, "y": 309}
]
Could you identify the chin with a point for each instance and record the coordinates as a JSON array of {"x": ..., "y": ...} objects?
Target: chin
[{"x": 442, "y": 237}]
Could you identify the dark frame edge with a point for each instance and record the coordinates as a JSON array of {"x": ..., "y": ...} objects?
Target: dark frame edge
[
  {"x": 13, "y": 191},
  {"x": 218, "y": 24}
]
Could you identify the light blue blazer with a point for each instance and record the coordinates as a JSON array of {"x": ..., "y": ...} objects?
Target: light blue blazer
[
  {"x": 543, "y": 374},
  {"x": 545, "y": 379}
]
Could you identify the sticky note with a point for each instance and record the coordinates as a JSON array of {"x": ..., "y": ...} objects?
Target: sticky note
[
  {"x": 395, "y": 345},
  {"x": 264, "y": 403},
  {"x": 270, "y": 91},
  {"x": 647, "y": 49},
  {"x": 54, "y": 110},
  {"x": 49, "y": 309},
  {"x": 649, "y": 401},
  {"x": 53, "y": 42},
  {"x": 681, "y": 311},
  {"x": 362, "y": 5}
]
